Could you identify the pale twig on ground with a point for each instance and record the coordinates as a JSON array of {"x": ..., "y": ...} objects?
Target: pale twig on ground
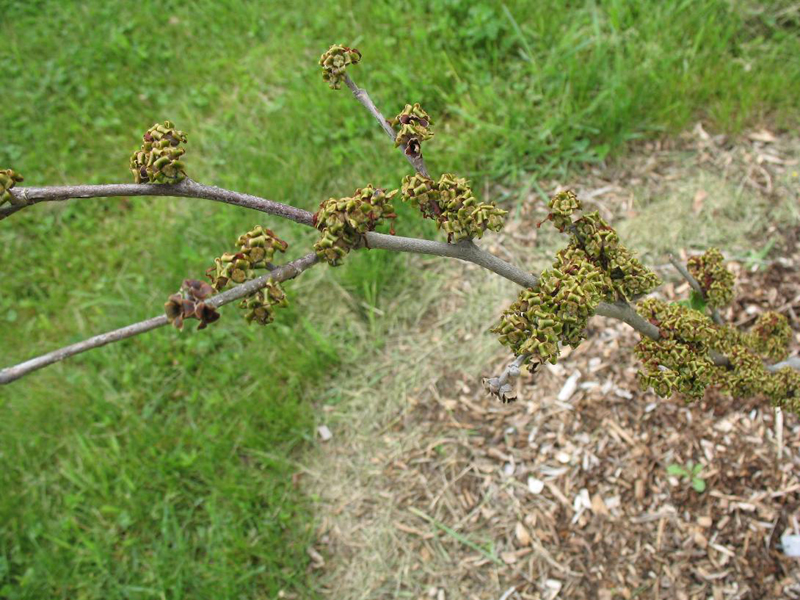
[
  {"x": 695, "y": 286},
  {"x": 282, "y": 273}
]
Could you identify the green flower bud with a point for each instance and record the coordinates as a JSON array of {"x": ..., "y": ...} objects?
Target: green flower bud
[
  {"x": 414, "y": 124},
  {"x": 334, "y": 63},
  {"x": 770, "y": 336},
  {"x": 8, "y": 179},
  {"x": 258, "y": 306},
  {"x": 783, "y": 389},
  {"x": 710, "y": 272},
  {"x": 454, "y": 207},
  {"x": 257, "y": 249},
  {"x": 344, "y": 221},
  {"x": 562, "y": 205},
  {"x": 158, "y": 159}
]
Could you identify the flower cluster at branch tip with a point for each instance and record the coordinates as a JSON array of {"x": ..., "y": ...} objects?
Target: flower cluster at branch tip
[
  {"x": 334, "y": 63},
  {"x": 784, "y": 389},
  {"x": 680, "y": 361},
  {"x": 189, "y": 303},
  {"x": 716, "y": 281},
  {"x": 158, "y": 160},
  {"x": 257, "y": 248},
  {"x": 344, "y": 221},
  {"x": 259, "y": 307},
  {"x": 8, "y": 179},
  {"x": 593, "y": 268},
  {"x": 451, "y": 203},
  {"x": 771, "y": 335},
  {"x": 415, "y": 126}
]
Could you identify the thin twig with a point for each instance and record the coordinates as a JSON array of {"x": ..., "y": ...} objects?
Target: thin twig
[
  {"x": 695, "y": 286},
  {"x": 283, "y": 273},
  {"x": 363, "y": 97},
  {"x": 187, "y": 188}
]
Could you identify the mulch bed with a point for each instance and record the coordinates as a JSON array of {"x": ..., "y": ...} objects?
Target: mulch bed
[
  {"x": 567, "y": 493},
  {"x": 572, "y": 483}
]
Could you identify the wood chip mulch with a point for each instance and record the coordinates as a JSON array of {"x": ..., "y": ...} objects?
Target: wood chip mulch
[{"x": 567, "y": 494}]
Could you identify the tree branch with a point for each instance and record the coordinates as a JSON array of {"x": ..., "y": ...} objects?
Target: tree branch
[
  {"x": 363, "y": 97},
  {"x": 465, "y": 250},
  {"x": 185, "y": 189},
  {"x": 624, "y": 312},
  {"x": 283, "y": 273},
  {"x": 695, "y": 286},
  {"x": 793, "y": 362}
]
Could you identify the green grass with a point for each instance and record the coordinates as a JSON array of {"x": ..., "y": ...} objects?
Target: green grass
[{"x": 161, "y": 467}]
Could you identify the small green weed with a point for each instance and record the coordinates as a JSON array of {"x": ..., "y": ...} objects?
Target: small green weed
[{"x": 690, "y": 473}]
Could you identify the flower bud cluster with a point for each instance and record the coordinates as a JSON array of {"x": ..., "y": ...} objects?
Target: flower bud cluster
[
  {"x": 414, "y": 129},
  {"x": 189, "y": 303},
  {"x": 710, "y": 272},
  {"x": 451, "y": 203},
  {"x": 670, "y": 366},
  {"x": 334, "y": 63},
  {"x": 562, "y": 206},
  {"x": 8, "y": 179},
  {"x": 745, "y": 377},
  {"x": 344, "y": 221},
  {"x": 629, "y": 277},
  {"x": 259, "y": 307},
  {"x": 770, "y": 336},
  {"x": 424, "y": 192},
  {"x": 557, "y": 310},
  {"x": 784, "y": 389},
  {"x": 678, "y": 322},
  {"x": 158, "y": 160},
  {"x": 256, "y": 251},
  {"x": 257, "y": 248},
  {"x": 679, "y": 361},
  {"x": 593, "y": 268}
]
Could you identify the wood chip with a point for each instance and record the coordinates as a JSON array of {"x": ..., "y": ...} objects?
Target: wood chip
[{"x": 324, "y": 433}]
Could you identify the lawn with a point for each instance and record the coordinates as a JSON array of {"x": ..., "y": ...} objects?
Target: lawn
[{"x": 162, "y": 466}]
